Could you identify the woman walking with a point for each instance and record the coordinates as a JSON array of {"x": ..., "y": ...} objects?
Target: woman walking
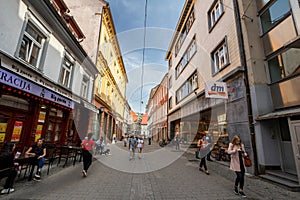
[
  {"x": 87, "y": 153},
  {"x": 237, "y": 151},
  {"x": 202, "y": 145}
]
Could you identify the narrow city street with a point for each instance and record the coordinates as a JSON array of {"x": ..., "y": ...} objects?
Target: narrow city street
[{"x": 180, "y": 179}]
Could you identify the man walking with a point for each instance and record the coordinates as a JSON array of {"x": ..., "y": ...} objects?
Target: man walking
[{"x": 132, "y": 146}]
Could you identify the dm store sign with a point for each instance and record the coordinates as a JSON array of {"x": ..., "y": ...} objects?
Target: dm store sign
[{"x": 216, "y": 90}]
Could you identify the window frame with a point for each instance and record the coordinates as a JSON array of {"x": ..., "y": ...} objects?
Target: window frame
[
  {"x": 185, "y": 30},
  {"x": 64, "y": 69},
  {"x": 186, "y": 58},
  {"x": 280, "y": 18},
  {"x": 181, "y": 92},
  {"x": 216, "y": 69},
  {"x": 42, "y": 45},
  {"x": 212, "y": 17},
  {"x": 84, "y": 87}
]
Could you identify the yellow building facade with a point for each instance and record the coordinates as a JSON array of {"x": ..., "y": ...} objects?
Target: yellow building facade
[{"x": 110, "y": 84}]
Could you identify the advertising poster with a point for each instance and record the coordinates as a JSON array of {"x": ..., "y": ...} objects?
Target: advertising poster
[
  {"x": 2, "y": 137},
  {"x": 42, "y": 116},
  {"x": 16, "y": 135},
  {"x": 38, "y": 132}
]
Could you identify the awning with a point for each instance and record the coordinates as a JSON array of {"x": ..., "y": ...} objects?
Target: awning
[{"x": 280, "y": 113}]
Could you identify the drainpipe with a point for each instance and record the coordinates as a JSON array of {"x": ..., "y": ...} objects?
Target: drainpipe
[{"x": 246, "y": 80}]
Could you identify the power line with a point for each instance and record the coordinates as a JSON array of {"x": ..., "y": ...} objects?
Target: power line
[{"x": 143, "y": 59}]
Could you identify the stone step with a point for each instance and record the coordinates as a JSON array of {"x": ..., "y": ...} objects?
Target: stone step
[
  {"x": 290, "y": 185},
  {"x": 283, "y": 175}
]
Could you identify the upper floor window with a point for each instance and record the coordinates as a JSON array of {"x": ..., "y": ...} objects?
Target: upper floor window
[
  {"x": 187, "y": 56},
  {"x": 170, "y": 103},
  {"x": 84, "y": 87},
  {"x": 285, "y": 64},
  {"x": 170, "y": 62},
  {"x": 214, "y": 13},
  {"x": 99, "y": 84},
  {"x": 31, "y": 44},
  {"x": 170, "y": 82},
  {"x": 187, "y": 88},
  {"x": 277, "y": 11},
  {"x": 186, "y": 28},
  {"x": 65, "y": 73},
  {"x": 220, "y": 57}
]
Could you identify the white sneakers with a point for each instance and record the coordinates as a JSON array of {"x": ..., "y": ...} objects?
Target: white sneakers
[
  {"x": 84, "y": 174},
  {"x": 6, "y": 191}
]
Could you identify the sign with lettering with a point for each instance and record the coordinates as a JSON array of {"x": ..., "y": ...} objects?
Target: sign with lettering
[
  {"x": 25, "y": 85},
  {"x": 216, "y": 90}
]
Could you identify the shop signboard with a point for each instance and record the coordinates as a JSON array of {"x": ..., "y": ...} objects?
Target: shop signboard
[
  {"x": 217, "y": 90},
  {"x": 25, "y": 85}
]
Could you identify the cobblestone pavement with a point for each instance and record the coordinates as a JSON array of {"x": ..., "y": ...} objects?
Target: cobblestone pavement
[{"x": 181, "y": 179}]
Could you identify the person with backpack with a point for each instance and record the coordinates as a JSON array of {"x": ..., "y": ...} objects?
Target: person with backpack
[
  {"x": 132, "y": 145},
  {"x": 87, "y": 153}
]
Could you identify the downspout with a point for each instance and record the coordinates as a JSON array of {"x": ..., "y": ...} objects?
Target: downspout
[{"x": 246, "y": 81}]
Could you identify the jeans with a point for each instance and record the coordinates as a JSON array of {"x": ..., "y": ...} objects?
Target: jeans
[
  {"x": 239, "y": 179},
  {"x": 203, "y": 163},
  {"x": 41, "y": 163}
]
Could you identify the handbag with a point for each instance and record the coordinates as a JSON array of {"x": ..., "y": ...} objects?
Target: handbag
[{"x": 247, "y": 161}]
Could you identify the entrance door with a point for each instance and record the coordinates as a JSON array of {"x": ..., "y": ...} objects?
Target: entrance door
[
  {"x": 287, "y": 153},
  {"x": 295, "y": 134}
]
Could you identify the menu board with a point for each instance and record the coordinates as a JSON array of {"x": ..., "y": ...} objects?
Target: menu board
[{"x": 16, "y": 135}]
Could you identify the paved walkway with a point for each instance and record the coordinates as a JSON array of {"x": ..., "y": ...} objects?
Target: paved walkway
[{"x": 180, "y": 179}]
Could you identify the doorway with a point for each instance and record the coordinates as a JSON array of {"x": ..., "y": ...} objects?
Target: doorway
[{"x": 295, "y": 134}]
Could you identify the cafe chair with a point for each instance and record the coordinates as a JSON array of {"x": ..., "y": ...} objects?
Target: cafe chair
[
  {"x": 24, "y": 166},
  {"x": 66, "y": 153},
  {"x": 50, "y": 157}
]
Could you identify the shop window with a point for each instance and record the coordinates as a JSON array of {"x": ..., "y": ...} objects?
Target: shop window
[
  {"x": 284, "y": 65},
  {"x": 215, "y": 13},
  {"x": 31, "y": 44},
  {"x": 65, "y": 73},
  {"x": 220, "y": 57},
  {"x": 273, "y": 15}
]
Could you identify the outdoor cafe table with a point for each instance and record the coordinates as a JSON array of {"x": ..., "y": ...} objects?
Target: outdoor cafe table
[
  {"x": 69, "y": 152},
  {"x": 30, "y": 160}
]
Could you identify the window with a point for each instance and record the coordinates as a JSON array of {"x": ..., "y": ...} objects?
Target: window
[
  {"x": 186, "y": 28},
  {"x": 220, "y": 57},
  {"x": 84, "y": 87},
  {"x": 170, "y": 62},
  {"x": 170, "y": 82},
  {"x": 100, "y": 84},
  {"x": 187, "y": 88},
  {"x": 285, "y": 64},
  {"x": 65, "y": 74},
  {"x": 274, "y": 14},
  {"x": 187, "y": 56},
  {"x": 215, "y": 13},
  {"x": 31, "y": 44}
]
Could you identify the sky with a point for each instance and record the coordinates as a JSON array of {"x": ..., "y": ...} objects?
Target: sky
[{"x": 129, "y": 18}]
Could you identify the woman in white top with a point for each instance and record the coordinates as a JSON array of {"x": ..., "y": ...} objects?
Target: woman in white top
[{"x": 140, "y": 145}]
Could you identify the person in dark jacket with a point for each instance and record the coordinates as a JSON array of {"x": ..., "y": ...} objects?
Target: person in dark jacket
[
  {"x": 38, "y": 150},
  {"x": 7, "y": 162}
]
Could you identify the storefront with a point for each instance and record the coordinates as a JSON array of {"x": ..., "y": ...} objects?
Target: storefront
[{"x": 29, "y": 111}]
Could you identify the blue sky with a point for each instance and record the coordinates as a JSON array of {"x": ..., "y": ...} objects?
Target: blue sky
[{"x": 128, "y": 16}]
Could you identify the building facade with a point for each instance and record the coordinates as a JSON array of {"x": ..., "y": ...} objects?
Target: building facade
[
  {"x": 46, "y": 76},
  {"x": 270, "y": 32},
  {"x": 157, "y": 107},
  {"x": 110, "y": 86},
  {"x": 205, "y": 58}
]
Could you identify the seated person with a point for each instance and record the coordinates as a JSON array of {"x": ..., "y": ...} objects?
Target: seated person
[
  {"x": 7, "y": 162},
  {"x": 38, "y": 150}
]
